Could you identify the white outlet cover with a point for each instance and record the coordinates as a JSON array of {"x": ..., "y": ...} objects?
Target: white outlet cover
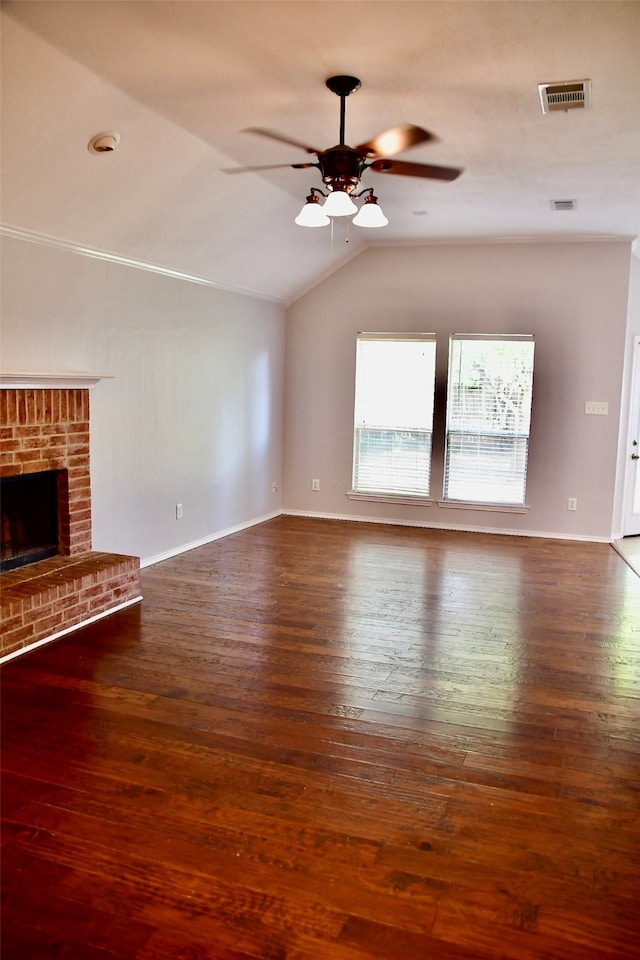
[{"x": 598, "y": 408}]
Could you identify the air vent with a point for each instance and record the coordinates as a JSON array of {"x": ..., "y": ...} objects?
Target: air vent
[
  {"x": 563, "y": 204},
  {"x": 572, "y": 95}
]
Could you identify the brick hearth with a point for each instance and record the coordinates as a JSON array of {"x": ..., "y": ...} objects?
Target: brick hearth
[{"x": 48, "y": 429}]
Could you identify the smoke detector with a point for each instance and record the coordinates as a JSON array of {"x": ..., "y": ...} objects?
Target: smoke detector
[
  {"x": 104, "y": 142},
  {"x": 569, "y": 95}
]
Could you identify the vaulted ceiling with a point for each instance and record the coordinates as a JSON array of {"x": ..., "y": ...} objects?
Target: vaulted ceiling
[{"x": 181, "y": 82}]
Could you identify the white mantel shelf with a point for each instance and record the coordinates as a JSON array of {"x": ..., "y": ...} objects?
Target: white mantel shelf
[{"x": 51, "y": 381}]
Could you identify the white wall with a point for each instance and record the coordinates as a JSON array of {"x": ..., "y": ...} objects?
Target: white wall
[
  {"x": 571, "y": 296},
  {"x": 194, "y": 412}
]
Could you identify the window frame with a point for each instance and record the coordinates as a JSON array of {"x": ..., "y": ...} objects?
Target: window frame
[
  {"x": 382, "y": 495},
  {"x": 465, "y": 502},
  {"x": 438, "y": 449}
]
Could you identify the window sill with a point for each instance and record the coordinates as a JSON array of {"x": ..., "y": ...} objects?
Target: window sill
[
  {"x": 493, "y": 507},
  {"x": 390, "y": 498},
  {"x": 447, "y": 504}
]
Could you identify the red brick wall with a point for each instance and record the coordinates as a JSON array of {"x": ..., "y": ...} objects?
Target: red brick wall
[{"x": 49, "y": 430}]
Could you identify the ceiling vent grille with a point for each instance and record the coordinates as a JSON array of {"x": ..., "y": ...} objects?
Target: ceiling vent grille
[
  {"x": 563, "y": 204},
  {"x": 572, "y": 95}
]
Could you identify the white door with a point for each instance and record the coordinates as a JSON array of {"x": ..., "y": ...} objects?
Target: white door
[{"x": 632, "y": 478}]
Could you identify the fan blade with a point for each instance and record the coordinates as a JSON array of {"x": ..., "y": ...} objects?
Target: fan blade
[
  {"x": 268, "y": 166},
  {"x": 273, "y": 135},
  {"x": 404, "y": 169},
  {"x": 395, "y": 140}
]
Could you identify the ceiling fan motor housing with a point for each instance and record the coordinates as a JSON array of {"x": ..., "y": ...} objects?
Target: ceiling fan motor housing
[{"x": 341, "y": 168}]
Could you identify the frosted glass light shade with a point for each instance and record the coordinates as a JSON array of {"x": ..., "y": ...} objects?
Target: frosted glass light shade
[
  {"x": 312, "y": 215},
  {"x": 339, "y": 204},
  {"x": 370, "y": 215}
]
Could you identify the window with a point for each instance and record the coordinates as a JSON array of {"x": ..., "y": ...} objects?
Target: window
[
  {"x": 395, "y": 380},
  {"x": 480, "y": 457},
  {"x": 488, "y": 417}
]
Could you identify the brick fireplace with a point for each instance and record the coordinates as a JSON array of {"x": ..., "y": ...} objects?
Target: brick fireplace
[{"x": 45, "y": 428}]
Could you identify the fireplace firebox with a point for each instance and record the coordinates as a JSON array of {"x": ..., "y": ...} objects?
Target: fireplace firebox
[{"x": 29, "y": 518}]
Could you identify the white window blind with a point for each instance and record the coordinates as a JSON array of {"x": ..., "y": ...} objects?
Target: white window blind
[
  {"x": 395, "y": 380},
  {"x": 488, "y": 418}
]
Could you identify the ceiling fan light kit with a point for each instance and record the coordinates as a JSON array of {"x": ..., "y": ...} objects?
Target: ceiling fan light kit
[
  {"x": 339, "y": 204},
  {"x": 312, "y": 214},
  {"x": 342, "y": 166},
  {"x": 370, "y": 214}
]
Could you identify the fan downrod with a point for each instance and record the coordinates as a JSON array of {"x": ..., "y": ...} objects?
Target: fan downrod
[{"x": 343, "y": 86}]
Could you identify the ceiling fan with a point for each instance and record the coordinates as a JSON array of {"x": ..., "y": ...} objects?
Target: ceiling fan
[{"x": 342, "y": 167}]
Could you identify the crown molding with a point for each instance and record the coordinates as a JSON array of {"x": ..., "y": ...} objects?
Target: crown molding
[
  {"x": 31, "y": 236},
  {"x": 543, "y": 238}
]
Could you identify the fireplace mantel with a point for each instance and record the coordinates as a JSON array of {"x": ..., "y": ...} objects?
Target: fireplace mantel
[{"x": 51, "y": 381}]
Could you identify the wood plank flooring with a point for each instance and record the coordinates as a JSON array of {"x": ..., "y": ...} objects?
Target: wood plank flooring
[{"x": 318, "y": 740}]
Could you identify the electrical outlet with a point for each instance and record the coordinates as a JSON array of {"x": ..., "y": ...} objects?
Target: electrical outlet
[
  {"x": 598, "y": 408},
  {"x": 274, "y": 487},
  {"x": 178, "y": 511},
  {"x": 572, "y": 503},
  {"x": 315, "y": 485}
]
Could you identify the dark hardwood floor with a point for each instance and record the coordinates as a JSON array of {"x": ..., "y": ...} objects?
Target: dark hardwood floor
[{"x": 319, "y": 740}]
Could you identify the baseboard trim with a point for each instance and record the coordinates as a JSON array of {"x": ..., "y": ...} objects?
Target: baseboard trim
[
  {"x": 447, "y": 526},
  {"x": 203, "y": 541},
  {"x": 74, "y": 627}
]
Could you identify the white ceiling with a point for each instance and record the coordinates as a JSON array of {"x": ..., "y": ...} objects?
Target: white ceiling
[{"x": 180, "y": 81}]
